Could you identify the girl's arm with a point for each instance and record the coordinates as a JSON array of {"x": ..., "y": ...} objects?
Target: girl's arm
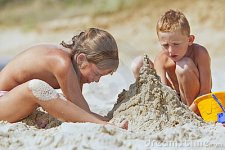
[{"x": 69, "y": 83}]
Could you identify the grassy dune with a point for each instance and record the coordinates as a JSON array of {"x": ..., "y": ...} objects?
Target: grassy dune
[{"x": 28, "y": 13}]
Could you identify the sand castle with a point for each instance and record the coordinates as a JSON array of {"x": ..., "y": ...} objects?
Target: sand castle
[{"x": 149, "y": 105}]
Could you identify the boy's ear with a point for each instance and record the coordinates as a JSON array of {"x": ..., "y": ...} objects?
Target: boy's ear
[
  {"x": 82, "y": 60},
  {"x": 191, "y": 40}
]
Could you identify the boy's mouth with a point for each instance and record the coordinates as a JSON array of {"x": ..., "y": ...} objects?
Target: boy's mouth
[{"x": 173, "y": 56}]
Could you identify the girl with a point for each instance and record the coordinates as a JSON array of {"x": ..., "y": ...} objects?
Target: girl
[{"x": 31, "y": 77}]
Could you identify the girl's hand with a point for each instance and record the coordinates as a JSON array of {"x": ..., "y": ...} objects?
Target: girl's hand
[{"x": 124, "y": 125}]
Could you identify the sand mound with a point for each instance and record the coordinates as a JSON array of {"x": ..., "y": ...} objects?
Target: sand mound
[{"x": 149, "y": 105}]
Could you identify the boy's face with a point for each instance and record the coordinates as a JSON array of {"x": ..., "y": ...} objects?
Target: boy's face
[{"x": 175, "y": 43}]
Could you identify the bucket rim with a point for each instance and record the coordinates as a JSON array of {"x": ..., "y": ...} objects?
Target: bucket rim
[{"x": 203, "y": 97}]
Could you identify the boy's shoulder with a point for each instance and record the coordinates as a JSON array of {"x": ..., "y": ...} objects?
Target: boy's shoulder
[
  {"x": 198, "y": 49},
  {"x": 196, "y": 46}
]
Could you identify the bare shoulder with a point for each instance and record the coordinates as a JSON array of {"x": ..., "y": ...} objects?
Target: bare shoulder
[
  {"x": 47, "y": 56},
  {"x": 200, "y": 55},
  {"x": 58, "y": 59},
  {"x": 39, "y": 61},
  {"x": 199, "y": 50}
]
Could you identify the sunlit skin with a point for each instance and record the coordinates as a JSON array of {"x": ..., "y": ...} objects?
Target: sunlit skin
[
  {"x": 53, "y": 65},
  {"x": 184, "y": 66}
]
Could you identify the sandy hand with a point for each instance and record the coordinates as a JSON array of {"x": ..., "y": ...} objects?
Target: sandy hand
[{"x": 124, "y": 125}]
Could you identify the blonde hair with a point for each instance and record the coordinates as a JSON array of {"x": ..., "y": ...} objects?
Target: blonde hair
[
  {"x": 99, "y": 46},
  {"x": 173, "y": 20}
]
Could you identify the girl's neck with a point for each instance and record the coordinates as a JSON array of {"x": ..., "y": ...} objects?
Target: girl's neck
[{"x": 77, "y": 72}]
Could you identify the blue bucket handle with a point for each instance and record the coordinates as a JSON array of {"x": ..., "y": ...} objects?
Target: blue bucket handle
[{"x": 217, "y": 100}]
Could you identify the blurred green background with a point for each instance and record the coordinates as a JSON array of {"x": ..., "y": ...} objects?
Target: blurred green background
[{"x": 28, "y": 13}]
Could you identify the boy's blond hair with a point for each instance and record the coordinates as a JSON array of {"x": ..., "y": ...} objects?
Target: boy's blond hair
[{"x": 173, "y": 20}]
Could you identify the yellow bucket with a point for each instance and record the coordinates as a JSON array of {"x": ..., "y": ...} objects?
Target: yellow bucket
[{"x": 208, "y": 106}]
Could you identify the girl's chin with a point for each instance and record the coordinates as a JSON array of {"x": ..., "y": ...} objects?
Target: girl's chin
[{"x": 87, "y": 81}]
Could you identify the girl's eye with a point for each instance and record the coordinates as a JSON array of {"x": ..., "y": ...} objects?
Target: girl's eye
[
  {"x": 96, "y": 74},
  {"x": 165, "y": 45}
]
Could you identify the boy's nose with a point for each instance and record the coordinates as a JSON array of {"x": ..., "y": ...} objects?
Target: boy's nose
[{"x": 170, "y": 49}]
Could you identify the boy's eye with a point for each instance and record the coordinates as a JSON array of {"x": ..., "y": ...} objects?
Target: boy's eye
[{"x": 165, "y": 45}]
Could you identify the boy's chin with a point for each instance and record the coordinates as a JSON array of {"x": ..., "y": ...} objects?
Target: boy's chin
[{"x": 175, "y": 58}]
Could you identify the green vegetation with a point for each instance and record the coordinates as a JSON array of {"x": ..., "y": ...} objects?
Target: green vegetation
[{"x": 28, "y": 13}]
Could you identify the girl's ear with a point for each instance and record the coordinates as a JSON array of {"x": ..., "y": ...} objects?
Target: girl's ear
[
  {"x": 191, "y": 40},
  {"x": 82, "y": 61}
]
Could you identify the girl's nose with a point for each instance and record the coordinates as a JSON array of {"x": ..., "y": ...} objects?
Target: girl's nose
[{"x": 97, "y": 78}]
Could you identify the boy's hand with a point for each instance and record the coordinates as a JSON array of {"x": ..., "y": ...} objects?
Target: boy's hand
[{"x": 194, "y": 108}]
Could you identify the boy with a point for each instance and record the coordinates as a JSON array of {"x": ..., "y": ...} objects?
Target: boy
[{"x": 181, "y": 64}]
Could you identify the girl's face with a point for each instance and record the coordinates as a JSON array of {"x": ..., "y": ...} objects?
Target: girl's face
[
  {"x": 91, "y": 73},
  {"x": 175, "y": 43}
]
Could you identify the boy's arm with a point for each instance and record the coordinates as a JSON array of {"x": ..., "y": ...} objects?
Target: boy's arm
[
  {"x": 205, "y": 79},
  {"x": 204, "y": 67},
  {"x": 159, "y": 65}
]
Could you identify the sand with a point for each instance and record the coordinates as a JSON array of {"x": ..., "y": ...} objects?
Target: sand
[{"x": 157, "y": 119}]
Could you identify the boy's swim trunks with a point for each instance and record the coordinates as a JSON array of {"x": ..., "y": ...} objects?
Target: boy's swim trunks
[{"x": 2, "y": 93}]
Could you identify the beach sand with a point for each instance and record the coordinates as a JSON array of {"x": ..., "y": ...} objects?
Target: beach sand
[
  {"x": 155, "y": 122},
  {"x": 157, "y": 119}
]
